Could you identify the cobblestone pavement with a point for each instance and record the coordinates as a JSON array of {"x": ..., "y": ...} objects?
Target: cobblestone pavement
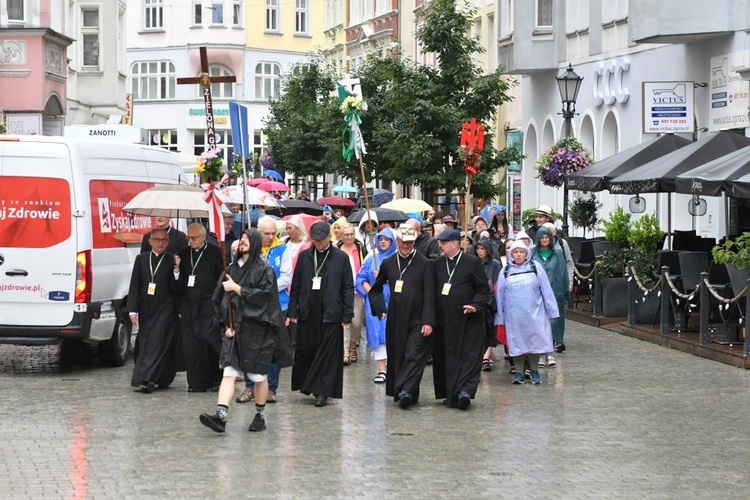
[{"x": 617, "y": 418}]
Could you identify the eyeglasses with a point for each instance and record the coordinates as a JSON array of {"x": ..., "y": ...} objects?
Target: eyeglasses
[
  {"x": 193, "y": 238},
  {"x": 160, "y": 240}
]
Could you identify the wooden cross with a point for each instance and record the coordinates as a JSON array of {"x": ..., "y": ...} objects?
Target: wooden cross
[{"x": 205, "y": 82}]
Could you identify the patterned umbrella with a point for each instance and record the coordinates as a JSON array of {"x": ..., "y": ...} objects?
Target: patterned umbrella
[{"x": 254, "y": 196}]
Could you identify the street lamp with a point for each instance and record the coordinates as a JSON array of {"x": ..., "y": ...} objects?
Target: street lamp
[{"x": 569, "y": 83}]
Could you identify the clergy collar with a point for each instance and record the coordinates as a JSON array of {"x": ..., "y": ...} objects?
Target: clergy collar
[
  {"x": 408, "y": 254},
  {"x": 455, "y": 255},
  {"x": 156, "y": 254}
]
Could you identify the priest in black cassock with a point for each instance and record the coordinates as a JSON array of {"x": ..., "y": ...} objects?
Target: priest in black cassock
[
  {"x": 201, "y": 266},
  {"x": 151, "y": 304},
  {"x": 177, "y": 239},
  {"x": 411, "y": 316},
  {"x": 462, "y": 295},
  {"x": 321, "y": 303}
]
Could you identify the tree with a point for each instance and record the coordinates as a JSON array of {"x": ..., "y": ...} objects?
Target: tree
[{"x": 413, "y": 123}]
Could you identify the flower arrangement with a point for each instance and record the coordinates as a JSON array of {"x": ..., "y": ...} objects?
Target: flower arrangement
[
  {"x": 565, "y": 157},
  {"x": 471, "y": 158},
  {"x": 210, "y": 167},
  {"x": 353, "y": 104},
  {"x": 236, "y": 164},
  {"x": 265, "y": 161}
]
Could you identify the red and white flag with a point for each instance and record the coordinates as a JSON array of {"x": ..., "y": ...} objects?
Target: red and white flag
[{"x": 215, "y": 219}]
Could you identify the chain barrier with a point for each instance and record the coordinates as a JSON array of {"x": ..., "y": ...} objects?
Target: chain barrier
[
  {"x": 641, "y": 286},
  {"x": 685, "y": 296},
  {"x": 724, "y": 300},
  {"x": 590, "y": 275}
]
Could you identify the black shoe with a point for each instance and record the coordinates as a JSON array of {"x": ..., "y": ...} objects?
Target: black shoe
[
  {"x": 450, "y": 402},
  {"x": 213, "y": 422},
  {"x": 321, "y": 401},
  {"x": 559, "y": 347},
  {"x": 404, "y": 400},
  {"x": 464, "y": 400},
  {"x": 147, "y": 388},
  {"x": 429, "y": 360},
  {"x": 259, "y": 423}
]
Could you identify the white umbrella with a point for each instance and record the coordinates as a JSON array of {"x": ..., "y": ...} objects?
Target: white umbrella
[
  {"x": 254, "y": 196},
  {"x": 175, "y": 201},
  {"x": 408, "y": 205}
]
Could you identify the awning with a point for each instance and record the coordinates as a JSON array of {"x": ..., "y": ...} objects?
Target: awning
[
  {"x": 711, "y": 178},
  {"x": 658, "y": 176},
  {"x": 596, "y": 176}
]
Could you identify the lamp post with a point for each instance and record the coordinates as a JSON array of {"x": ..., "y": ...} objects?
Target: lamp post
[{"x": 569, "y": 83}]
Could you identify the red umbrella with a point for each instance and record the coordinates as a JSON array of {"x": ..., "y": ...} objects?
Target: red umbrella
[
  {"x": 337, "y": 201},
  {"x": 272, "y": 186},
  {"x": 255, "y": 182},
  {"x": 307, "y": 220}
]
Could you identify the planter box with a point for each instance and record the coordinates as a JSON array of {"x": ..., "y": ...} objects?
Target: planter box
[
  {"x": 645, "y": 312},
  {"x": 615, "y": 297}
]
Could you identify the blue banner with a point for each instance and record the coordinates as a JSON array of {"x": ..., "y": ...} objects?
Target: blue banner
[{"x": 240, "y": 134}]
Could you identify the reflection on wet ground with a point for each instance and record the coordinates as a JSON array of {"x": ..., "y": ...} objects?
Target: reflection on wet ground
[{"x": 616, "y": 418}]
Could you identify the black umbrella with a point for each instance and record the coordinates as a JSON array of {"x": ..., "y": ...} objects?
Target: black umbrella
[
  {"x": 658, "y": 176},
  {"x": 596, "y": 176},
  {"x": 383, "y": 214},
  {"x": 711, "y": 178},
  {"x": 290, "y": 207}
]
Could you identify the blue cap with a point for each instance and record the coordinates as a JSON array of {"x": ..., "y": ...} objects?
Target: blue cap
[{"x": 449, "y": 235}]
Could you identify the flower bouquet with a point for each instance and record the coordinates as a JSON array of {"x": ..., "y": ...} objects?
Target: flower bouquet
[
  {"x": 471, "y": 158},
  {"x": 210, "y": 167},
  {"x": 354, "y": 144},
  {"x": 353, "y": 104},
  {"x": 565, "y": 157},
  {"x": 266, "y": 162}
]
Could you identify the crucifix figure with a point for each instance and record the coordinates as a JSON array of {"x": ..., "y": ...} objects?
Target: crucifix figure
[{"x": 205, "y": 82}]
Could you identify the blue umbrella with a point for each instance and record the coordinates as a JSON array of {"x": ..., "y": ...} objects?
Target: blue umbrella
[
  {"x": 273, "y": 174},
  {"x": 489, "y": 211},
  {"x": 345, "y": 189},
  {"x": 380, "y": 196}
]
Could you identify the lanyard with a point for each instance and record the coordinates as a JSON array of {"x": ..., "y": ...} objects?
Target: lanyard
[
  {"x": 398, "y": 263},
  {"x": 315, "y": 259},
  {"x": 193, "y": 265},
  {"x": 151, "y": 265},
  {"x": 450, "y": 273}
]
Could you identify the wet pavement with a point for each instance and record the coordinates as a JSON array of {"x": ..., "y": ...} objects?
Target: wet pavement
[{"x": 617, "y": 418}]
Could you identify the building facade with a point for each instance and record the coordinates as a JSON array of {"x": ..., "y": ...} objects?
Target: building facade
[
  {"x": 621, "y": 48},
  {"x": 256, "y": 43}
]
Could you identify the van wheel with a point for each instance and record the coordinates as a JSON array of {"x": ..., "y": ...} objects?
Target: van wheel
[{"x": 115, "y": 351}]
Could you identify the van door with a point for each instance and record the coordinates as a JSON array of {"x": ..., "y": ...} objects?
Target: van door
[{"x": 37, "y": 234}]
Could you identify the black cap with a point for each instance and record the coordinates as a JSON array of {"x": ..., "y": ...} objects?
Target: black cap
[
  {"x": 320, "y": 230},
  {"x": 449, "y": 235}
]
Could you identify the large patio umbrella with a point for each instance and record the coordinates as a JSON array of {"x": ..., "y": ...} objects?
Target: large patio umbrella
[
  {"x": 711, "y": 178},
  {"x": 658, "y": 176},
  {"x": 596, "y": 176}
]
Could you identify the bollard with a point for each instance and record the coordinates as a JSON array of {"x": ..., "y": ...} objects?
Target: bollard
[
  {"x": 743, "y": 326},
  {"x": 665, "y": 304},
  {"x": 705, "y": 310},
  {"x": 632, "y": 290},
  {"x": 597, "y": 293}
]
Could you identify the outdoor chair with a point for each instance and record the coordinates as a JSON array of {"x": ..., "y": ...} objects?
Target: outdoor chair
[
  {"x": 584, "y": 264},
  {"x": 671, "y": 259},
  {"x": 738, "y": 281},
  {"x": 574, "y": 243},
  {"x": 692, "y": 264}
]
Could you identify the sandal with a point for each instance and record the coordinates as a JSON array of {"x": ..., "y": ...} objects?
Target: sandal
[
  {"x": 380, "y": 378},
  {"x": 486, "y": 365},
  {"x": 246, "y": 396},
  {"x": 347, "y": 361},
  {"x": 353, "y": 355}
]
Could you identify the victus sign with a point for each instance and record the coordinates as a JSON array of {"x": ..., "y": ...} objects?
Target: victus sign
[{"x": 668, "y": 107}]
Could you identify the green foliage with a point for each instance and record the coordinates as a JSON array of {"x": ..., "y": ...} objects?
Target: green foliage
[
  {"x": 413, "y": 122},
  {"x": 527, "y": 217},
  {"x": 617, "y": 228},
  {"x": 735, "y": 252},
  {"x": 584, "y": 212}
]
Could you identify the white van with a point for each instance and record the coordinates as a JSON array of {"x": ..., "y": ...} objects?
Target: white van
[{"x": 66, "y": 247}]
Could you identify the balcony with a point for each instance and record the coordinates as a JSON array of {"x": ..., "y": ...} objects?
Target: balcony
[
  {"x": 522, "y": 55},
  {"x": 684, "y": 21}
]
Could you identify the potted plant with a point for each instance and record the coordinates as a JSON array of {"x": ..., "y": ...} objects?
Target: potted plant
[
  {"x": 584, "y": 212},
  {"x": 611, "y": 270},
  {"x": 646, "y": 239},
  {"x": 564, "y": 158}
]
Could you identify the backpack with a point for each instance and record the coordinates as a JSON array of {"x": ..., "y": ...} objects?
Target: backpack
[{"x": 507, "y": 268}]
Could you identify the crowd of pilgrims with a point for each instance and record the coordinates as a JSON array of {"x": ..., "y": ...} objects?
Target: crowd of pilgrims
[{"x": 299, "y": 296}]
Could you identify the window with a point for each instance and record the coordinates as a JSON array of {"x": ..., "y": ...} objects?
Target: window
[
  {"x": 237, "y": 13},
  {"x": 576, "y": 15},
  {"x": 382, "y": 7},
  {"x": 301, "y": 14},
  {"x": 356, "y": 11},
  {"x": 544, "y": 14},
  {"x": 272, "y": 15},
  {"x": 333, "y": 13},
  {"x": 154, "y": 14},
  {"x": 219, "y": 90},
  {"x": 153, "y": 80},
  {"x": 90, "y": 33},
  {"x": 506, "y": 19},
  {"x": 16, "y": 11},
  {"x": 267, "y": 81},
  {"x": 166, "y": 139},
  {"x": 614, "y": 10},
  {"x": 259, "y": 144},
  {"x": 223, "y": 142},
  {"x": 197, "y": 13},
  {"x": 217, "y": 12}
]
